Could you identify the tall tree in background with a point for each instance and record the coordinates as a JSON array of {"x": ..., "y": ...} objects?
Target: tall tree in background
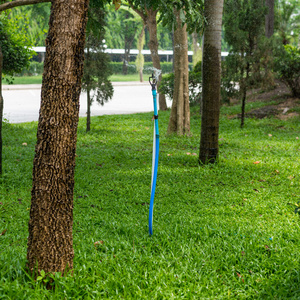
[
  {"x": 269, "y": 19},
  {"x": 244, "y": 31},
  {"x": 96, "y": 63},
  {"x": 179, "y": 121},
  {"x": 287, "y": 18},
  {"x": 148, "y": 11},
  {"x": 129, "y": 30},
  {"x": 50, "y": 241},
  {"x": 211, "y": 81},
  {"x": 139, "y": 62}
]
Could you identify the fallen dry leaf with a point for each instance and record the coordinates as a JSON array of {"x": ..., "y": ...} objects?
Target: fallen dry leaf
[
  {"x": 3, "y": 232},
  {"x": 240, "y": 276},
  {"x": 98, "y": 243}
]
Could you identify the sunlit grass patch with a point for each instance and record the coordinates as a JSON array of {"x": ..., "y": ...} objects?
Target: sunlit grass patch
[{"x": 220, "y": 231}]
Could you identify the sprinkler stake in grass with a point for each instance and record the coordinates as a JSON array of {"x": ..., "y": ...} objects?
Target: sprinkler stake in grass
[{"x": 153, "y": 83}]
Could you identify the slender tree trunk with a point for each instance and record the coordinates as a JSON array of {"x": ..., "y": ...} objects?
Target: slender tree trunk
[
  {"x": 211, "y": 81},
  {"x": 269, "y": 19},
  {"x": 50, "y": 241},
  {"x": 1, "y": 108},
  {"x": 153, "y": 46},
  {"x": 173, "y": 60},
  {"x": 269, "y": 31},
  {"x": 126, "y": 59},
  {"x": 244, "y": 92},
  {"x": 88, "y": 113},
  {"x": 180, "y": 114}
]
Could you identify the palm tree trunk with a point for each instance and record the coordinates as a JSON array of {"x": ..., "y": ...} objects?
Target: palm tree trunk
[
  {"x": 211, "y": 81},
  {"x": 50, "y": 241}
]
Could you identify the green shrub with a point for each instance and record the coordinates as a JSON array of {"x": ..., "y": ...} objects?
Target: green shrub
[
  {"x": 229, "y": 78},
  {"x": 34, "y": 68},
  {"x": 167, "y": 84},
  {"x": 287, "y": 66},
  {"x": 117, "y": 68},
  {"x": 195, "y": 83}
]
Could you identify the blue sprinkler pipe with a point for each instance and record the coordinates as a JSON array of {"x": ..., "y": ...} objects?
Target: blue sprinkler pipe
[{"x": 153, "y": 83}]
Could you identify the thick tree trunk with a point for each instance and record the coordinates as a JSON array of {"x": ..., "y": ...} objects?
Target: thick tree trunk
[
  {"x": 211, "y": 82},
  {"x": 180, "y": 114},
  {"x": 153, "y": 46},
  {"x": 88, "y": 113},
  {"x": 50, "y": 242},
  {"x": 269, "y": 21},
  {"x": 1, "y": 108}
]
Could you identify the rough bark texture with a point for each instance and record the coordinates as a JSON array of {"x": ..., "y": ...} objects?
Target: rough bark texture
[
  {"x": 15, "y": 3},
  {"x": 211, "y": 81},
  {"x": 50, "y": 242},
  {"x": 180, "y": 114},
  {"x": 153, "y": 46},
  {"x": 269, "y": 21},
  {"x": 1, "y": 108}
]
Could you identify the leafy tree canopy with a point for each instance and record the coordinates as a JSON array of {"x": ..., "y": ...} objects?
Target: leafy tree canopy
[
  {"x": 13, "y": 43},
  {"x": 33, "y": 19}
]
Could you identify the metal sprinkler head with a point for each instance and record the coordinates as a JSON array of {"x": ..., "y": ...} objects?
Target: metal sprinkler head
[{"x": 153, "y": 81}]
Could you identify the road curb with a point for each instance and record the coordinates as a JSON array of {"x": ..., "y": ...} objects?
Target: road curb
[{"x": 10, "y": 87}]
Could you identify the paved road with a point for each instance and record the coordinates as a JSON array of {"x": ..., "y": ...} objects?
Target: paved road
[{"x": 22, "y": 102}]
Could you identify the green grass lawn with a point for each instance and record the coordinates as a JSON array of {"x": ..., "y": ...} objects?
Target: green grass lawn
[
  {"x": 114, "y": 78},
  {"x": 28, "y": 80},
  {"x": 224, "y": 231}
]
